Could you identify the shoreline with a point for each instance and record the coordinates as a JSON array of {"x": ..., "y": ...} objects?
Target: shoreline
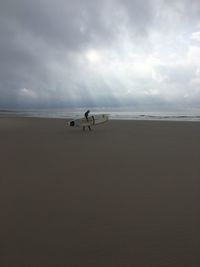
[{"x": 114, "y": 115}]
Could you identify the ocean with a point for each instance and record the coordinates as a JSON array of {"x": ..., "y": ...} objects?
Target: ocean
[{"x": 114, "y": 114}]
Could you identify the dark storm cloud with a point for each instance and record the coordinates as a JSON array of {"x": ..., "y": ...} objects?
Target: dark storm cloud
[
  {"x": 43, "y": 45},
  {"x": 74, "y": 23},
  {"x": 65, "y": 23},
  {"x": 32, "y": 32}
]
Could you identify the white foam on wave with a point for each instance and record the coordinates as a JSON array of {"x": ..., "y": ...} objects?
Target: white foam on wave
[{"x": 113, "y": 115}]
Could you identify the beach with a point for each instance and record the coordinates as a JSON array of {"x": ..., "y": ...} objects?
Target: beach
[{"x": 124, "y": 194}]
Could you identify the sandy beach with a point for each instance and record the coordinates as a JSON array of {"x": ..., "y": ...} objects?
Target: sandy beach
[{"x": 124, "y": 194}]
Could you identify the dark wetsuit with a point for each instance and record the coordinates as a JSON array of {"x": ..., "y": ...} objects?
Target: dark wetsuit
[{"x": 86, "y": 116}]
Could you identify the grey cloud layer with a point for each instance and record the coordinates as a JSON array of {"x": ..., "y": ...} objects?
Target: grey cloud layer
[{"x": 43, "y": 45}]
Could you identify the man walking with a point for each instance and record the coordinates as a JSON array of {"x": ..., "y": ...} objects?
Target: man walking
[{"x": 86, "y": 116}]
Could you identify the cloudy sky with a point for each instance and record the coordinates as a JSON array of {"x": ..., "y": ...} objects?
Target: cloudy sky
[{"x": 107, "y": 53}]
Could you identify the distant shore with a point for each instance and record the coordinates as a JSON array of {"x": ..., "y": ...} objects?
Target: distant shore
[{"x": 124, "y": 194}]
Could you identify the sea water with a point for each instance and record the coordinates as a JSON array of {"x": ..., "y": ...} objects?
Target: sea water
[{"x": 114, "y": 114}]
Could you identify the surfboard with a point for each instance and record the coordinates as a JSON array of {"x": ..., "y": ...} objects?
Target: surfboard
[{"x": 92, "y": 120}]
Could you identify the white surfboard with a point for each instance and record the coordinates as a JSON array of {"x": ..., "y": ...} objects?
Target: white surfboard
[{"x": 92, "y": 120}]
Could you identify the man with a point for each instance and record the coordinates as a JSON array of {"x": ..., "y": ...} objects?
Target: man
[{"x": 86, "y": 116}]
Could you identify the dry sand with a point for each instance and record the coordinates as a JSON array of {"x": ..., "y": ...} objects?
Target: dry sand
[{"x": 125, "y": 194}]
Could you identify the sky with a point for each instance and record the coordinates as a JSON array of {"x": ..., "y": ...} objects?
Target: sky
[{"x": 140, "y": 54}]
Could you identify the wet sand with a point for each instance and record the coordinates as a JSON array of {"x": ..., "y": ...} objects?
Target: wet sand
[{"x": 125, "y": 194}]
